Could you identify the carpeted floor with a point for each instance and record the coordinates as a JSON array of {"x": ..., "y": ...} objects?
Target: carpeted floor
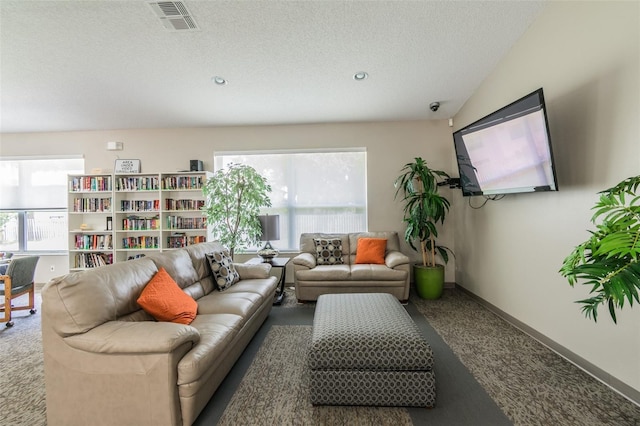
[
  {"x": 531, "y": 384},
  {"x": 22, "y": 399},
  {"x": 528, "y": 382}
]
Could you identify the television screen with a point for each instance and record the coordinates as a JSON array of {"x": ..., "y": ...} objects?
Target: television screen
[{"x": 508, "y": 151}]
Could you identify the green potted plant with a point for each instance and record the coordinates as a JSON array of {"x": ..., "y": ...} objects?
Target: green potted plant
[
  {"x": 609, "y": 261},
  {"x": 233, "y": 199},
  {"x": 423, "y": 209}
]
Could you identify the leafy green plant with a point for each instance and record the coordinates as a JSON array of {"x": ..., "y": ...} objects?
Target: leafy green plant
[
  {"x": 423, "y": 208},
  {"x": 233, "y": 199},
  {"x": 4, "y": 218},
  {"x": 608, "y": 261}
]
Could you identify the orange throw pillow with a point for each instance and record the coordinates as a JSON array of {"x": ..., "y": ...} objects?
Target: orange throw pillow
[
  {"x": 163, "y": 299},
  {"x": 371, "y": 250}
]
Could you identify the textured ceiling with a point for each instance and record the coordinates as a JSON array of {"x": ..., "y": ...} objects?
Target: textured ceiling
[{"x": 91, "y": 65}]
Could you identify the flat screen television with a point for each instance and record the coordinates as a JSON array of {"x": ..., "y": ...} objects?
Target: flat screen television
[{"x": 508, "y": 151}]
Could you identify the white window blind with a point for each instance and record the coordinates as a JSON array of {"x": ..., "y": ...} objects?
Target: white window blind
[
  {"x": 36, "y": 183},
  {"x": 33, "y": 202},
  {"x": 311, "y": 191}
]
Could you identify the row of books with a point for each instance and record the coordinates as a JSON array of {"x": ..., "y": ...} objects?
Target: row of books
[
  {"x": 179, "y": 241},
  {"x": 182, "y": 182},
  {"x": 141, "y": 242},
  {"x": 91, "y": 205},
  {"x": 92, "y": 260},
  {"x": 139, "y": 205},
  {"x": 143, "y": 183},
  {"x": 90, "y": 183},
  {"x": 171, "y": 204},
  {"x": 94, "y": 242},
  {"x": 136, "y": 223},
  {"x": 179, "y": 222}
]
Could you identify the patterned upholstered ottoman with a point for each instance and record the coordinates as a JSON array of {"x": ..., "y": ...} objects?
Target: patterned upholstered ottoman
[{"x": 366, "y": 350}]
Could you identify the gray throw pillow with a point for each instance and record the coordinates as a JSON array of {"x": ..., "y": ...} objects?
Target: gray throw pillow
[
  {"x": 328, "y": 251},
  {"x": 222, "y": 269}
]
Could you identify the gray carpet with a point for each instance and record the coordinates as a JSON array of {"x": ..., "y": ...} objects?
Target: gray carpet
[
  {"x": 22, "y": 399},
  {"x": 531, "y": 384},
  {"x": 528, "y": 382}
]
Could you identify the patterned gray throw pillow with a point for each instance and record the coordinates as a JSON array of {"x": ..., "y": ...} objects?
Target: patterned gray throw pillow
[
  {"x": 328, "y": 251},
  {"x": 224, "y": 273}
]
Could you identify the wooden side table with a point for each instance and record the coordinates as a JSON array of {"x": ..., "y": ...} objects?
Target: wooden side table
[{"x": 276, "y": 262}]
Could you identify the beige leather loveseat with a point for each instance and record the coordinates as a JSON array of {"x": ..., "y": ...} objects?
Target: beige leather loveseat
[
  {"x": 108, "y": 362},
  {"x": 342, "y": 274}
]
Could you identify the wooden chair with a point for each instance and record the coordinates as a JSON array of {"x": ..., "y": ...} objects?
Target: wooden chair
[{"x": 17, "y": 281}]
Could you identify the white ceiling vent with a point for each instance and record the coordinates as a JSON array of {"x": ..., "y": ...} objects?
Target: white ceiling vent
[{"x": 174, "y": 15}]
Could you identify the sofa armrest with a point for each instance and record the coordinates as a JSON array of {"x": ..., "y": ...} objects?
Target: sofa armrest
[
  {"x": 396, "y": 258},
  {"x": 252, "y": 271},
  {"x": 305, "y": 259},
  {"x": 123, "y": 337}
]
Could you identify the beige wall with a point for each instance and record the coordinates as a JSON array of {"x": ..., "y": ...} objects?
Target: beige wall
[
  {"x": 585, "y": 56},
  {"x": 389, "y": 146}
]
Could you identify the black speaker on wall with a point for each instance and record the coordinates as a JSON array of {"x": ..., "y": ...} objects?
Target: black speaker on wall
[{"x": 196, "y": 166}]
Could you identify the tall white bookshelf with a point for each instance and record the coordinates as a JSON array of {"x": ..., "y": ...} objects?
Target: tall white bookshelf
[
  {"x": 137, "y": 215},
  {"x": 114, "y": 218},
  {"x": 90, "y": 203},
  {"x": 182, "y": 202}
]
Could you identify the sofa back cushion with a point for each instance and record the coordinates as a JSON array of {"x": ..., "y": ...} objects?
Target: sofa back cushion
[
  {"x": 179, "y": 266},
  {"x": 308, "y": 244},
  {"x": 80, "y": 301},
  {"x": 393, "y": 243}
]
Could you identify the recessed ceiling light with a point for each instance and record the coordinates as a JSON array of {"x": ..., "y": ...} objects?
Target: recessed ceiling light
[
  {"x": 219, "y": 80},
  {"x": 359, "y": 76}
]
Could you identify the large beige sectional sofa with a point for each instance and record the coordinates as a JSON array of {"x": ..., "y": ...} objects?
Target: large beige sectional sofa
[
  {"x": 108, "y": 362},
  {"x": 313, "y": 280}
]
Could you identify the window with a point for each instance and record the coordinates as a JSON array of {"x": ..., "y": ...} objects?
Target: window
[
  {"x": 33, "y": 202},
  {"x": 311, "y": 191}
]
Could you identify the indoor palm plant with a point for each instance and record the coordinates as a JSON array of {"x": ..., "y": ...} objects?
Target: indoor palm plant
[
  {"x": 608, "y": 261},
  {"x": 423, "y": 209},
  {"x": 233, "y": 199}
]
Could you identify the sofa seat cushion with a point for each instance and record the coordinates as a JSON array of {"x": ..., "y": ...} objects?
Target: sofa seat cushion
[
  {"x": 256, "y": 286},
  {"x": 376, "y": 272},
  {"x": 217, "y": 331},
  {"x": 243, "y": 303},
  {"x": 326, "y": 273}
]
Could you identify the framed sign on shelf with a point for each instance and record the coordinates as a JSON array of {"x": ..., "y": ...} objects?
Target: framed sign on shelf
[{"x": 127, "y": 166}]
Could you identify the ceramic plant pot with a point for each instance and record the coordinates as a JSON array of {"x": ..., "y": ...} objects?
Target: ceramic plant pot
[{"x": 429, "y": 281}]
